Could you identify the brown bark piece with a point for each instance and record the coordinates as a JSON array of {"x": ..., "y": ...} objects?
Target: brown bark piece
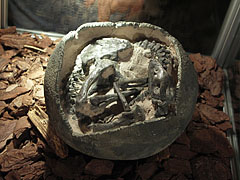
[
  {"x": 210, "y": 76},
  {"x": 32, "y": 171},
  {"x": 211, "y": 100},
  {"x": 212, "y": 114},
  {"x": 162, "y": 176},
  {"x": 22, "y": 65},
  {"x": 202, "y": 63},
  {"x": 197, "y": 62},
  {"x": 212, "y": 80},
  {"x": 125, "y": 170},
  {"x": 181, "y": 152},
  {"x": 210, "y": 63},
  {"x": 211, "y": 140},
  {"x": 7, "y": 116},
  {"x": 6, "y": 131},
  {"x": 23, "y": 100},
  {"x": 3, "y": 105},
  {"x": 8, "y": 54},
  {"x": 36, "y": 71},
  {"x": 26, "y": 82},
  {"x": 21, "y": 104},
  {"x": 7, "y": 76},
  {"x": 16, "y": 41},
  {"x": 183, "y": 139},
  {"x": 3, "y": 63},
  {"x": 44, "y": 42},
  {"x": 196, "y": 115},
  {"x": 176, "y": 166},
  {"x": 3, "y": 85},
  {"x": 147, "y": 170},
  {"x": 68, "y": 168},
  {"x": 12, "y": 94},
  {"x": 40, "y": 120},
  {"x": 225, "y": 126},
  {"x": 38, "y": 92},
  {"x": 18, "y": 158},
  {"x": 9, "y": 30},
  {"x": 209, "y": 168},
  {"x": 21, "y": 125},
  {"x": 2, "y": 51},
  {"x": 179, "y": 177},
  {"x": 98, "y": 167},
  {"x": 44, "y": 61},
  {"x": 217, "y": 84},
  {"x": 164, "y": 154},
  {"x": 12, "y": 175}
]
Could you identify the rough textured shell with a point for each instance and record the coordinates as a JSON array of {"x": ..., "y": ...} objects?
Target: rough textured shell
[{"x": 138, "y": 140}]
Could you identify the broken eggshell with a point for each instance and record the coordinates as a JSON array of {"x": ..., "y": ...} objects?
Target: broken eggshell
[{"x": 135, "y": 141}]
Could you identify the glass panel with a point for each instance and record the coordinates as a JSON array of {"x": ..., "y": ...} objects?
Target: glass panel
[
  {"x": 194, "y": 23},
  {"x": 234, "y": 79}
]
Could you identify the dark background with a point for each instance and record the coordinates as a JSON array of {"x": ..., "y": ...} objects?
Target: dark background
[{"x": 195, "y": 24}]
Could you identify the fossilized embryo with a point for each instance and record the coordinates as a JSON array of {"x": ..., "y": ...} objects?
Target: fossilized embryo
[{"x": 116, "y": 83}]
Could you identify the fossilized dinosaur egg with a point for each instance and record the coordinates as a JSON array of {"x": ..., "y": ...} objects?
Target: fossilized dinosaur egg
[{"x": 120, "y": 91}]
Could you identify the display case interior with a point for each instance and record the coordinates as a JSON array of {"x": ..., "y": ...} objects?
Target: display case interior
[{"x": 208, "y": 148}]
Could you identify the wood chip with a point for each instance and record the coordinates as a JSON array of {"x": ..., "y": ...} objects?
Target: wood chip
[
  {"x": 3, "y": 105},
  {"x": 13, "y": 93},
  {"x": 3, "y": 63},
  {"x": 16, "y": 41},
  {"x": 2, "y": 51},
  {"x": 7, "y": 76},
  {"x": 11, "y": 87},
  {"x": 26, "y": 82},
  {"x": 175, "y": 166},
  {"x": 163, "y": 175},
  {"x": 203, "y": 63},
  {"x": 34, "y": 48},
  {"x": 210, "y": 168},
  {"x": 8, "y": 54},
  {"x": 21, "y": 125},
  {"x": 211, "y": 140},
  {"x": 210, "y": 76},
  {"x": 40, "y": 119},
  {"x": 24, "y": 66},
  {"x": 18, "y": 158},
  {"x": 7, "y": 116},
  {"x": 98, "y": 167},
  {"x": 3, "y": 85},
  {"x": 225, "y": 126},
  {"x": 183, "y": 139},
  {"x": 68, "y": 168},
  {"x": 147, "y": 170},
  {"x": 211, "y": 114},
  {"x": 9, "y": 30},
  {"x": 36, "y": 71},
  {"x": 211, "y": 100},
  {"x": 196, "y": 58},
  {"x": 25, "y": 100},
  {"x": 38, "y": 92},
  {"x": 32, "y": 171},
  {"x": 181, "y": 152},
  {"x": 6, "y": 132},
  {"x": 44, "y": 42},
  {"x": 12, "y": 175}
]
